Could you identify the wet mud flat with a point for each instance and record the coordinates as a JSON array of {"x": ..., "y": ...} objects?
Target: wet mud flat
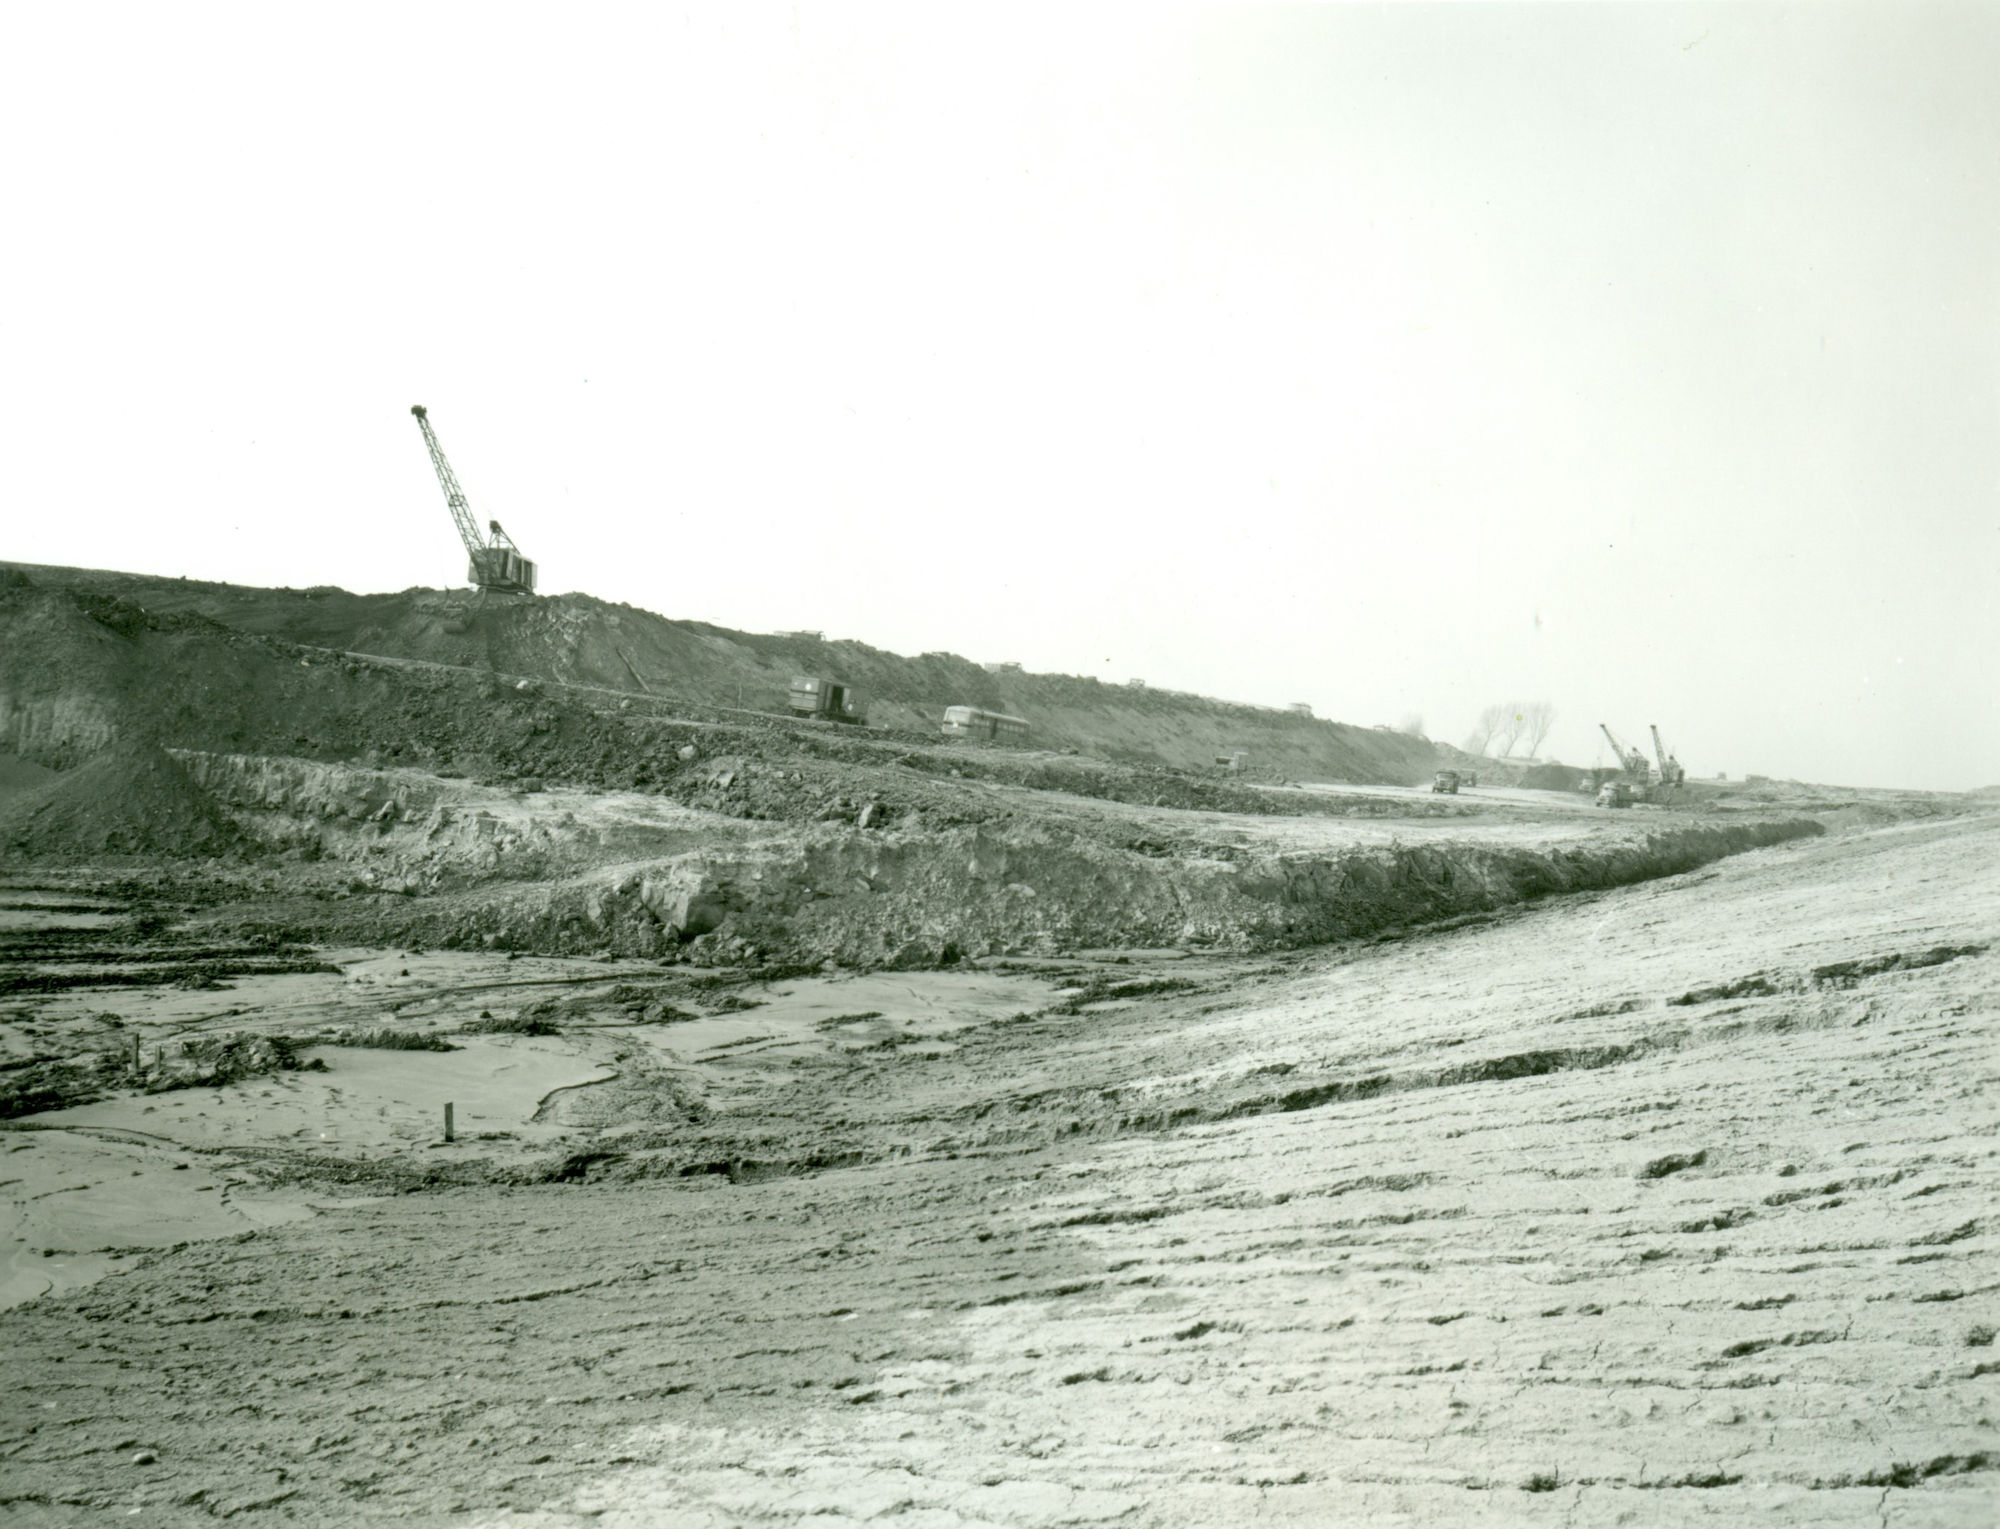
[
  {"x": 1664, "y": 1203},
  {"x": 151, "y": 1109}
]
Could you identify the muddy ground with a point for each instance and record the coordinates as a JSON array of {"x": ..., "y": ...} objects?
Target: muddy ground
[
  {"x": 456, "y": 1066},
  {"x": 1663, "y": 1203}
]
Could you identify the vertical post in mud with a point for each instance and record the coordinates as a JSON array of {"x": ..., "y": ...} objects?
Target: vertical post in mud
[{"x": 449, "y": 1135}]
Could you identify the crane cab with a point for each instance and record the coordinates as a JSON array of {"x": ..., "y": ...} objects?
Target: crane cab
[{"x": 503, "y": 570}]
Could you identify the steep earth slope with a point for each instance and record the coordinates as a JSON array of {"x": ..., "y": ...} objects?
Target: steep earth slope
[{"x": 575, "y": 639}]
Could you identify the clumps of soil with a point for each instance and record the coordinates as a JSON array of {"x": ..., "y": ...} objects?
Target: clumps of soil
[
  {"x": 532, "y": 1021},
  {"x": 381, "y": 1040},
  {"x": 1757, "y": 986},
  {"x": 210, "y": 1061},
  {"x": 1673, "y": 1162},
  {"x": 134, "y": 799},
  {"x": 56, "y": 1083},
  {"x": 1102, "y": 990},
  {"x": 1848, "y": 973},
  {"x": 649, "y": 1005}
]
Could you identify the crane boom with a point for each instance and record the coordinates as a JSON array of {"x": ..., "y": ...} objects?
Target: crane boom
[
  {"x": 1672, "y": 772},
  {"x": 1631, "y": 761},
  {"x": 454, "y": 496},
  {"x": 496, "y": 564}
]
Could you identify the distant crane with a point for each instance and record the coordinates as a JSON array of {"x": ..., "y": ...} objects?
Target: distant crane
[
  {"x": 496, "y": 564},
  {"x": 1671, "y": 771},
  {"x": 1631, "y": 761}
]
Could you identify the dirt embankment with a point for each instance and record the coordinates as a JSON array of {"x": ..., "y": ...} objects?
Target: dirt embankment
[
  {"x": 81, "y": 669},
  {"x": 538, "y": 815},
  {"x": 569, "y": 871},
  {"x": 576, "y": 640}
]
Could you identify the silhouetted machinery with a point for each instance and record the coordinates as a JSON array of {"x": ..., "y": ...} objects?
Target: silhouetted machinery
[
  {"x": 1631, "y": 761},
  {"x": 1671, "y": 771},
  {"x": 993, "y": 726},
  {"x": 496, "y": 564},
  {"x": 826, "y": 700}
]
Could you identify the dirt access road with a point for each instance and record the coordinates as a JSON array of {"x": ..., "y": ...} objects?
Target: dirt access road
[{"x": 1668, "y": 1204}]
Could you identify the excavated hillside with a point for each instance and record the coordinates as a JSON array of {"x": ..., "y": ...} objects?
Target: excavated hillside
[
  {"x": 486, "y": 787},
  {"x": 577, "y": 640}
]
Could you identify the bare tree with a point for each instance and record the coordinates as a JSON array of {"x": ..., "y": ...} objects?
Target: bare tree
[
  {"x": 1537, "y": 717},
  {"x": 1490, "y": 722},
  {"x": 1509, "y": 730}
]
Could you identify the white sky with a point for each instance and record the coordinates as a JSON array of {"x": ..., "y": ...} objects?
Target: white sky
[{"x": 1396, "y": 359}]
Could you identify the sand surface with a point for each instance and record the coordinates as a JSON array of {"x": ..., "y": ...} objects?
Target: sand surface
[{"x": 1670, "y": 1204}]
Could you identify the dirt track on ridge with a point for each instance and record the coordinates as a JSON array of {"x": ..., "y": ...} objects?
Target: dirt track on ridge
[{"x": 1666, "y": 1204}]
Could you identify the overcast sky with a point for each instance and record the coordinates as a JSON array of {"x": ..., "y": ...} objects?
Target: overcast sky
[{"x": 1395, "y": 359}]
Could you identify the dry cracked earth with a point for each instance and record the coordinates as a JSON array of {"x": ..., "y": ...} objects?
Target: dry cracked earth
[{"x": 1663, "y": 1205}]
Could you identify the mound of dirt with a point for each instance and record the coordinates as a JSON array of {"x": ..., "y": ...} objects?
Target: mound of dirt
[
  {"x": 1551, "y": 777},
  {"x": 575, "y": 639},
  {"x": 133, "y": 799}
]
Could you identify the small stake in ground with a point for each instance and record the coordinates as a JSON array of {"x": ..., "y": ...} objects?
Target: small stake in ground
[{"x": 448, "y": 1133}]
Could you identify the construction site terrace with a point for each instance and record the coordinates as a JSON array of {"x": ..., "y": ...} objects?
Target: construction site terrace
[{"x": 1152, "y": 1104}]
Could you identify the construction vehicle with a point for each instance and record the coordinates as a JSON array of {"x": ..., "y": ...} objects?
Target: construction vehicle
[
  {"x": 1445, "y": 783},
  {"x": 993, "y": 726},
  {"x": 1617, "y": 793},
  {"x": 824, "y": 700},
  {"x": 1671, "y": 771},
  {"x": 1631, "y": 761},
  {"x": 496, "y": 564}
]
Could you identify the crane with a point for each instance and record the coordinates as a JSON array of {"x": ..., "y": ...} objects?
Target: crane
[
  {"x": 497, "y": 564},
  {"x": 1631, "y": 761},
  {"x": 1671, "y": 771}
]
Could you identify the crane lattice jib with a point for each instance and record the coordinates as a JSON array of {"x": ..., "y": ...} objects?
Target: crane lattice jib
[{"x": 454, "y": 496}]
